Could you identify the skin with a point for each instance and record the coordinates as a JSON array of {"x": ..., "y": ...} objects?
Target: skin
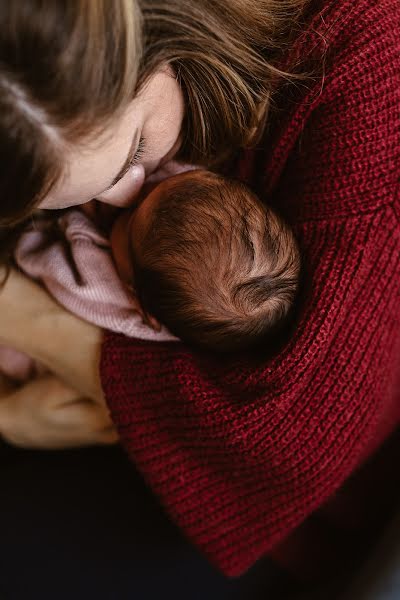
[
  {"x": 31, "y": 321},
  {"x": 130, "y": 227},
  {"x": 125, "y": 237},
  {"x": 70, "y": 409},
  {"x": 126, "y": 232},
  {"x": 48, "y": 412},
  {"x": 155, "y": 115}
]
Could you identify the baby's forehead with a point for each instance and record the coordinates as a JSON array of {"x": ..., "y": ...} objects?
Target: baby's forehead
[
  {"x": 184, "y": 178},
  {"x": 171, "y": 187}
]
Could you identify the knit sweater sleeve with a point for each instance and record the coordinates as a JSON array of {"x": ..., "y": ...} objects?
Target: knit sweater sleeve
[{"x": 240, "y": 455}]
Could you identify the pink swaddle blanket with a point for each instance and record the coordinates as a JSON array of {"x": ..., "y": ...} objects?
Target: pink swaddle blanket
[{"x": 78, "y": 271}]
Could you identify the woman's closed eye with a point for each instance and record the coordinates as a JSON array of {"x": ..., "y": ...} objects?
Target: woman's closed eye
[{"x": 134, "y": 160}]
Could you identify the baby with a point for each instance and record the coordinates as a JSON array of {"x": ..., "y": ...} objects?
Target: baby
[
  {"x": 201, "y": 258},
  {"x": 209, "y": 261}
]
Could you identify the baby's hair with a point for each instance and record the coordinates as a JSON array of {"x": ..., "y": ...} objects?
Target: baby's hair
[{"x": 215, "y": 265}]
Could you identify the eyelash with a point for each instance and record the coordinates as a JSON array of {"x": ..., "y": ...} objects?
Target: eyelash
[
  {"x": 138, "y": 154},
  {"x": 134, "y": 160}
]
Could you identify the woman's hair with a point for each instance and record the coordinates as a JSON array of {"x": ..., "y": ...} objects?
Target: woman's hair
[{"x": 68, "y": 67}]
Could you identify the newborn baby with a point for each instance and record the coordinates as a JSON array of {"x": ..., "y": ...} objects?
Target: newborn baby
[
  {"x": 209, "y": 261},
  {"x": 200, "y": 255}
]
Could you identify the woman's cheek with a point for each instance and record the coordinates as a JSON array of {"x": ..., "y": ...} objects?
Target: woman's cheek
[{"x": 125, "y": 192}]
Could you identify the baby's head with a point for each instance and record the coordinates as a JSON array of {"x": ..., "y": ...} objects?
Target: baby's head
[{"x": 209, "y": 261}]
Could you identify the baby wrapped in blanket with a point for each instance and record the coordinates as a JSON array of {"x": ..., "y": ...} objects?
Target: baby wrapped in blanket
[{"x": 201, "y": 259}]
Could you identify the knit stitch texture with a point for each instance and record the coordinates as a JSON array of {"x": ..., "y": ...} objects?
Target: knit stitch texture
[{"x": 241, "y": 455}]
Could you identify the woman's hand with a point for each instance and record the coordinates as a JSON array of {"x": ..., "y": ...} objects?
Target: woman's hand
[
  {"x": 32, "y": 322},
  {"x": 47, "y": 414},
  {"x": 55, "y": 411}
]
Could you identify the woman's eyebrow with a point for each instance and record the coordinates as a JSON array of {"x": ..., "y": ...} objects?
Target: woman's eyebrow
[{"x": 127, "y": 161}]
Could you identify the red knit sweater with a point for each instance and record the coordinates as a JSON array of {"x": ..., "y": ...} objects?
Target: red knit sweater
[{"x": 239, "y": 455}]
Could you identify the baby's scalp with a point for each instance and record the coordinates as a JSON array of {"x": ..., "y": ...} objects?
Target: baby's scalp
[{"x": 214, "y": 264}]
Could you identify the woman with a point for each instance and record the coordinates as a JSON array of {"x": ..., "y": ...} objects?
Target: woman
[{"x": 300, "y": 99}]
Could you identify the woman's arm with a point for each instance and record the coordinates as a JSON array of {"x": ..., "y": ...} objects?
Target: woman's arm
[
  {"x": 32, "y": 322},
  {"x": 240, "y": 455}
]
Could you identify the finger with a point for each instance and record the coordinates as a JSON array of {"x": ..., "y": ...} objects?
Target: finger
[
  {"x": 108, "y": 437},
  {"x": 51, "y": 440},
  {"x": 84, "y": 414},
  {"x": 68, "y": 406},
  {"x": 45, "y": 413},
  {"x": 6, "y": 385}
]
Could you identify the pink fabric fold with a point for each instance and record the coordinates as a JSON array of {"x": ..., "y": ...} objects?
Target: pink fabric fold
[{"x": 78, "y": 271}]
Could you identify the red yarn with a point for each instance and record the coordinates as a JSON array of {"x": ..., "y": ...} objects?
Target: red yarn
[{"x": 241, "y": 456}]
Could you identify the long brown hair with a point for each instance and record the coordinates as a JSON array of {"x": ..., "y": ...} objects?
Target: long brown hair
[{"x": 68, "y": 67}]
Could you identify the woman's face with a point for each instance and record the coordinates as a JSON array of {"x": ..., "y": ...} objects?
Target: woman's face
[{"x": 112, "y": 169}]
